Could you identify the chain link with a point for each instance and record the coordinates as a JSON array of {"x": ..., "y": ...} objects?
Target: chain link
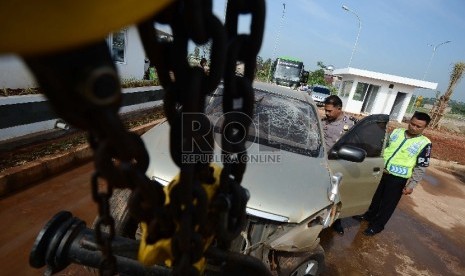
[
  {"x": 104, "y": 224},
  {"x": 184, "y": 104},
  {"x": 83, "y": 87},
  {"x": 238, "y": 100}
]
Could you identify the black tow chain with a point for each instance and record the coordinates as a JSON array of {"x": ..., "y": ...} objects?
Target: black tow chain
[{"x": 83, "y": 87}]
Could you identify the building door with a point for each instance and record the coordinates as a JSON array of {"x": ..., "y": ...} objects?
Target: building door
[
  {"x": 396, "y": 107},
  {"x": 370, "y": 98}
]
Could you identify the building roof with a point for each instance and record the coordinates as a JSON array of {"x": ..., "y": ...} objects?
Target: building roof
[{"x": 385, "y": 77}]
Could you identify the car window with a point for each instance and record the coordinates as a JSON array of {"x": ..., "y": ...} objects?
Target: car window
[
  {"x": 279, "y": 121},
  {"x": 321, "y": 90},
  {"x": 368, "y": 134}
]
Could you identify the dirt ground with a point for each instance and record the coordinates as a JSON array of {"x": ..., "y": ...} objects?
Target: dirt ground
[{"x": 424, "y": 237}]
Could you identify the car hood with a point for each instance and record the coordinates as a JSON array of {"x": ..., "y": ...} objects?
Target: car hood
[{"x": 283, "y": 186}]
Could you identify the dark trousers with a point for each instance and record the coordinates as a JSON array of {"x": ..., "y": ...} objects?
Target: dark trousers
[{"x": 385, "y": 200}]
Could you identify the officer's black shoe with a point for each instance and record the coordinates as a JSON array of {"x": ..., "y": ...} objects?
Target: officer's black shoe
[
  {"x": 337, "y": 226},
  {"x": 361, "y": 217},
  {"x": 370, "y": 231}
]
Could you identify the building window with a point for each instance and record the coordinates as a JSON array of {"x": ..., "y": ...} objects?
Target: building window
[
  {"x": 360, "y": 91},
  {"x": 364, "y": 89},
  {"x": 346, "y": 87},
  {"x": 117, "y": 42}
]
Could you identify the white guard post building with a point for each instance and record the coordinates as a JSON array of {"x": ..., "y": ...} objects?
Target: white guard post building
[
  {"x": 125, "y": 47},
  {"x": 367, "y": 92}
]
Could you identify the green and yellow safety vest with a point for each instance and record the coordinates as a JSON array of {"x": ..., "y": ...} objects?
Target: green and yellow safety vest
[{"x": 400, "y": 156}]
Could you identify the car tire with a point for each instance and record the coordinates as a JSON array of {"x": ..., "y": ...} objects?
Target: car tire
[
  {"x": 298, "y": 264},
  {"x": 125, "y": 225}
]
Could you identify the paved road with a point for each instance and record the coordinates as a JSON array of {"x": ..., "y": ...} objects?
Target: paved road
[{"x": 410, "y": 245}]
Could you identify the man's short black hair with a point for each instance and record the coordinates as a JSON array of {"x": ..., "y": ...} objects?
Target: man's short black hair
[
  {"x": 334, "y": 101},
  {"x": 422, "y": 116}
]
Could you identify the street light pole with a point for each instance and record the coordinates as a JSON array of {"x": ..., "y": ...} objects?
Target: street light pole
[
  {"x": 432, "y": 55},
  {"x": 276, "y": 42},
  {"x": 344, "y": 7},
  {"x": 427, "y": 68}
]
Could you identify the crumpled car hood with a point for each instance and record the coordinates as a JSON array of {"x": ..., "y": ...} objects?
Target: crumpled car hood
[{"x": 280, "y": 183}]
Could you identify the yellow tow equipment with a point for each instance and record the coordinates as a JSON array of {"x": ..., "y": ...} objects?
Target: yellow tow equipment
[{"x": 30, "y": 27}]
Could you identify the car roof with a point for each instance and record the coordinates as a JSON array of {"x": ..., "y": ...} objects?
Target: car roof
[{"x": 276, "y": 89}]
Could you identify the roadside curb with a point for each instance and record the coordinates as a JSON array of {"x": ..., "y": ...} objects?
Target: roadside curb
[{"x": 16, "y": 178}]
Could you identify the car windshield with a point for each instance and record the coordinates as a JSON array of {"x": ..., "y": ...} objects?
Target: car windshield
[
  {"x": 279, "y": 121},
  {"x": 321, "y": 90}
]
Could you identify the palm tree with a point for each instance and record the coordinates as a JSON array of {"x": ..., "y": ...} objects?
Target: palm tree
[{"x": 440, "y": 106}]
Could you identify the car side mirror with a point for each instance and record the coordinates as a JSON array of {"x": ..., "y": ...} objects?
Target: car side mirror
[{"x": 349, "y": 153}]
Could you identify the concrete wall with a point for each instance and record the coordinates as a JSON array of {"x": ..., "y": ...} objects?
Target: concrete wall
[
  {"x": 15, "y": 74},
  {"x": 23, "y": 115},
  {"x": 133, "y": 67}
]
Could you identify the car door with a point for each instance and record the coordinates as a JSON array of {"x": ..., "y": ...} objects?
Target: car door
[{"x": 360, "y": 180}]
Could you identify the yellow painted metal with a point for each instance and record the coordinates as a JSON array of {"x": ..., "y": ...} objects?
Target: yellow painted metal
[
  {"x": 160, "y": 252},
  {"x": 30, "y": 27}
]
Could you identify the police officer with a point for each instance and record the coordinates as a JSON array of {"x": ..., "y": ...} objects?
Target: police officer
[
  {"x": 335, "y": 124},
  {"x": 406, "y": 158}
]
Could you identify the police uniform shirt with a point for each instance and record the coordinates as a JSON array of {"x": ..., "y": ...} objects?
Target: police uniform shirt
[{"x": 334, "y": 130}]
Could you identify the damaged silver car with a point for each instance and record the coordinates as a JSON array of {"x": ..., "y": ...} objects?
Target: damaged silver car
[{"x": 297, "y": 186}]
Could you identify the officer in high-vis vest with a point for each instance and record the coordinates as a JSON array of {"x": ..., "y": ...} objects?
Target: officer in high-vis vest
[{"x": 405, "y": 160}]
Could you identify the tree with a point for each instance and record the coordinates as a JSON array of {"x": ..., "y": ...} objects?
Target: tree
[
  {"x": 437, "y": 112},
  {"x": 317, "y": 76},
  {"x": 457, "y": 107},
  {"x": 263, "y": 67}
]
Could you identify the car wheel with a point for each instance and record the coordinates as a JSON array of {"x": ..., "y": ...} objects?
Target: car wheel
[
  {"x": 293, "y": 264},
  {"x": 125, "y": 225}
]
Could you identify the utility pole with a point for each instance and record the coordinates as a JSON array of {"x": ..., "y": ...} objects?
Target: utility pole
[
  {"x": 435, "y": 47},
  {"x": 276, "y": 42},
  {"x": 432, "y": 55},
  {"x": 344, "y": 7}
]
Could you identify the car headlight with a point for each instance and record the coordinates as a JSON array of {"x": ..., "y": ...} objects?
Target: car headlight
[{"x": 265, "y": 215}]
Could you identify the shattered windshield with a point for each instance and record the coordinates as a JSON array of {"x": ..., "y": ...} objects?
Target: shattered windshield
[{"x": 279, "y": 121}]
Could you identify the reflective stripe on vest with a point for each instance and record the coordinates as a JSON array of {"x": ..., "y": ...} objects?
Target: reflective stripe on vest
[{"x": 400, "y": 157}]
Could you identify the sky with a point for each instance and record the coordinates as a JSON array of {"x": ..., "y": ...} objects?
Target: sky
[{"x": 394, "y": 36}]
